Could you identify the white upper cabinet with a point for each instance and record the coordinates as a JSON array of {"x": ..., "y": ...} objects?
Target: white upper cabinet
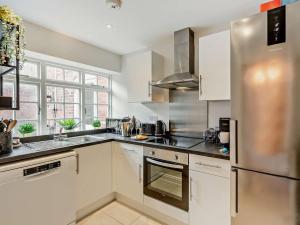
[
  {"x": 142, "y": 69},
  {"x": 214, "y": 66}
]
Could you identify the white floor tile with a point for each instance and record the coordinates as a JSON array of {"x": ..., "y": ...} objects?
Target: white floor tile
[
  {"x": 121, "y": 213},
  {"x": 143, "y": 220},
  {"x": 117, "y": 214},
  {"x": 99, "y": 218}
]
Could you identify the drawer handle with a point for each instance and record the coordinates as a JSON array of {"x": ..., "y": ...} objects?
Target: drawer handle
[
  {"x": 140, "y": 173},
  {"x": 191, "y": 190},
  {"x": 129, "y": 150},
  {"x": 77, "y": 163},
  {"x": 208, "y": 165}
]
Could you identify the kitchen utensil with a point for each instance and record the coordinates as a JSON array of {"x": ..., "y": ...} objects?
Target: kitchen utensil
[
  {"x": 126, "y": 129},
  {"x": 11, "y": 125},
  {"x": 6, "y": 121},
  {"x": 6, "y": 143},
  {"x": 160, "y": 128},
  {"x": 3, "y": 126}
]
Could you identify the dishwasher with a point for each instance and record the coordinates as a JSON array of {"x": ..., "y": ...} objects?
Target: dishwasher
[{"x": 40, "y": 191}]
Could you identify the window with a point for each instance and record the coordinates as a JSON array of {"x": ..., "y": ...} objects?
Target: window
[
  {"x": 60, "y": 74},
  {"x": 29, "y": 96},
  {"x": 96, "y": 106},
  {"x": 62, "y": 103},
  {"x": 30, "y": 69},
  {"x": 50, "y": 92},
  {"x": 95, "y": 80}
]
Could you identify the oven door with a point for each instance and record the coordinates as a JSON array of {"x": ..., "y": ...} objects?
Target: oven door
[{"x": 167, "y": 182}]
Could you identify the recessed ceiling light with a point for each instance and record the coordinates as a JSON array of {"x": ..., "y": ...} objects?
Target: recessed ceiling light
[{"x": 109, "y": 26}]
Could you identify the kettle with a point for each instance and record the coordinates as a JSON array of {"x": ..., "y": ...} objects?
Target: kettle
[{"x": 160, "y": 128}]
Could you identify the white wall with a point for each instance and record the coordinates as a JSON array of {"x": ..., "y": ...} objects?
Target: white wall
[
  {"x": 165, "y": 47},
  {"x": 41, "y": 40}
]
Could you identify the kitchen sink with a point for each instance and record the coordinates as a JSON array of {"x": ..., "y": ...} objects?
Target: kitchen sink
[{"x": 82, "y": 139}]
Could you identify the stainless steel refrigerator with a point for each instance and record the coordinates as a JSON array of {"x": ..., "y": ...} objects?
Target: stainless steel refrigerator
[{"x": 265, "y": 126}]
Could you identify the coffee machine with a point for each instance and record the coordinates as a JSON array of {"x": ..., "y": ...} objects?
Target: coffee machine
[{"x": 224, "y": 126}]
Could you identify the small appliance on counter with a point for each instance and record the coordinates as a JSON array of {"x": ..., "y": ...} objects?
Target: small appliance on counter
[
  {"x": 126, "y": 126},
  {"x": 148, "y": 129},
  {"x": 6, "y": 139},
  {"x": 160, "y": 128},
  {"x": 224, "y": 124}
]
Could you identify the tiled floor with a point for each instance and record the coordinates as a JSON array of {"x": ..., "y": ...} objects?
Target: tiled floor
[{"x": 117, "y": 214}]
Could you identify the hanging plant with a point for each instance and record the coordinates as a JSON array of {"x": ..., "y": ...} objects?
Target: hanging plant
[{"x": 12, "y": 43}]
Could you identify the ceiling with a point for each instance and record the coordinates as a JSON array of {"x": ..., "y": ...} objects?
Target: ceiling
[{"x": 135, "y": 26}]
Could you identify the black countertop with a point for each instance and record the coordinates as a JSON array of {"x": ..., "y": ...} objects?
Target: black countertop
[{"x": 44, "y": 148}]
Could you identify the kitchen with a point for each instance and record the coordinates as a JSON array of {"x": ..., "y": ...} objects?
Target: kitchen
[{"x": 122, "y": 117}]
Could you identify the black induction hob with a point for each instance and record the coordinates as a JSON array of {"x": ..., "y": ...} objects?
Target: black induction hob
[{"x": 183, "y": 142}]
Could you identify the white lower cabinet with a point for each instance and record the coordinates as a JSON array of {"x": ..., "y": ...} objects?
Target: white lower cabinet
[
  {"x": 93, "y": 174},
  {"x": 209, "y": 191},
  {"x": 128, "y": 170}
]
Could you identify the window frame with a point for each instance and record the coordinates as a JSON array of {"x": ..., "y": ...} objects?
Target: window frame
[
  {"x": 26, "y": 79},
  {"x": 64, "y": 103},
  {"x": 42, "y": 82},
  {"x": 97, "y": 88}
]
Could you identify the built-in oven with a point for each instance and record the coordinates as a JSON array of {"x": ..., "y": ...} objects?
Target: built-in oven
[{"x": 166, "y": 176}]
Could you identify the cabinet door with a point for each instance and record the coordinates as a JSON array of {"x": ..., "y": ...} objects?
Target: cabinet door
[
  {"x": 139, "y": 77},
  {"x": 209, "y": 199},
  {"x": 214, "y": 66},
  {"x": 94, "y": 174},
  {"x": 128, "y": 170}
]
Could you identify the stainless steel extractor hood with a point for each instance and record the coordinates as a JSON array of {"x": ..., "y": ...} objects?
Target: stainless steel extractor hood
[{"x": 184, "y": 63}]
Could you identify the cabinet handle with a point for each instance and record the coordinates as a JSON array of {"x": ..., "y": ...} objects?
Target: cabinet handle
[
  {"x": 191, "y": 190},
  {"x": 140, "y": 173},
  {"x": 77, "y": 163},
  {"x": 200, "y": 88},
  {"x": 233, "y": 141},
  {"x": 234, "y": 192},
  {"x": 208, "y": 165},
  {"x": 149, "y": 89}
]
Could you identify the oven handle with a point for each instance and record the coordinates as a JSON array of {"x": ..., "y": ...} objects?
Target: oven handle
[{"x": 173, "y": 166}]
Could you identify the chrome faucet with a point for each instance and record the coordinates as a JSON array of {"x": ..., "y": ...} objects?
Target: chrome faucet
[{"x": 60, "y": 136}]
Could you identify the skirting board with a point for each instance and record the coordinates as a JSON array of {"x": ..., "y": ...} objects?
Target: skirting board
[{"x": 155, "y": 214}]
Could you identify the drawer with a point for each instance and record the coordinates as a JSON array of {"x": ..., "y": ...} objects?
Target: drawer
[
  {"x": 130, "y": 148},
  {"x": 218, "y": 167}
]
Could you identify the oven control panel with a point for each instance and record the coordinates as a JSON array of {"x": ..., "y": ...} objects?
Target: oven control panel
[{"x": 172, "y": 156}]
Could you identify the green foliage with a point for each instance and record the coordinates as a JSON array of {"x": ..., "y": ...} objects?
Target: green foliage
[
  {"x": 26, "y": 128},
  {"x": 96, "y": 123},
  {"x": 12, "y": 43},
  {"x": 68, "y": 124}
]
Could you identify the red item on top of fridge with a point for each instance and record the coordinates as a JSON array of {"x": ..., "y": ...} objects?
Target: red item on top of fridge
[{"x": 270, "y": 5}]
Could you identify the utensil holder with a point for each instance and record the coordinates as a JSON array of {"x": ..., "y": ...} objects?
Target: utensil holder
[{"x": 6, "y": 142}]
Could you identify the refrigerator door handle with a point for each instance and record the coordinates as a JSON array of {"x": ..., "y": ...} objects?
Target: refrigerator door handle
[
  {"x": 234, "y": 192},
  {"x": 233, "y": 142}
]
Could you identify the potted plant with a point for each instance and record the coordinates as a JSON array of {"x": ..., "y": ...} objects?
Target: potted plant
[
  {"x": 26, "y": 128},
  {"x": 96, "y": 123},
  {"x": 12, "y": 43},
  {"x": 68, "y": 124}
]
